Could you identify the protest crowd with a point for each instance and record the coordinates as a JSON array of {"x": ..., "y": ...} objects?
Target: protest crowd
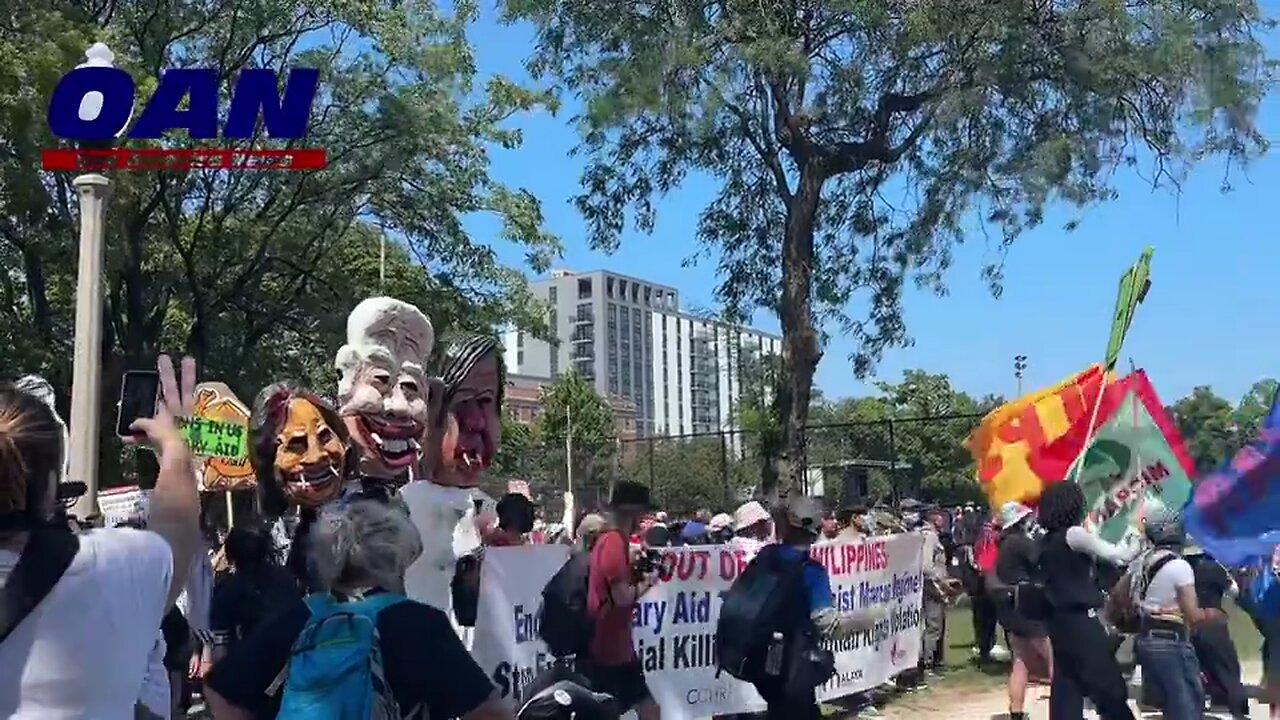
[{"x": 378, "y": 581}]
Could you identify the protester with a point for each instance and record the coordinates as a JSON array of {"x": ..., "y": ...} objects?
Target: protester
[
  {"x": 257, "y": 588},
  {"x": 360, "y": 553},
  {"x": 694, "y": 533},
  {"x": 1083, "y": 662},
  {"x": 754, "y": 528},
  {"x": 1161, "y": 585},
  {"x": 939, "y": 589},
  {"x": 165, "y": 683},
  {"x": 720, "y": 529},
  {"x": 615, "y": 585},
  {"x": 589, "y": 529},
  {"x": 116, "y": 584},
  {"x": 1258, "y": 592},
  {"x": 1016, "y": 562},
  {"x": 1212, "y": 640},
  {"x": 817, "y": 618},
  {"x": 515, "y": 521}
]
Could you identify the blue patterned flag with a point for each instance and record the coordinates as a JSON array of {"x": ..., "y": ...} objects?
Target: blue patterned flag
[{"x": 1234, "y": 512}]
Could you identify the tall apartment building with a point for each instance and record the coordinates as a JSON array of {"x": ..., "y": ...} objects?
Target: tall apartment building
[{"x": 630, "y": 339}]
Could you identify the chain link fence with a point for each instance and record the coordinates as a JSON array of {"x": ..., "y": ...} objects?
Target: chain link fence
[{"x": 871, "y": 462}]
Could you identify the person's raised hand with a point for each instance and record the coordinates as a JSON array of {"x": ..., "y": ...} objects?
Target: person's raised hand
[{"x": 176, "y": 401}]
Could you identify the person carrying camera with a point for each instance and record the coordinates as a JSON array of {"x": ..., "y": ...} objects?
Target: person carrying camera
[{"x": 620, "y": 574}]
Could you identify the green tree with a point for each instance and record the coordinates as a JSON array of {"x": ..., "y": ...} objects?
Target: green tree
[
  {"x": 1208, "y": 428},
  {"x": 254, "y": 272},
  {"x": 574, "y": 414},
  {"x": 1254, "y": 406},
  {"x": 519, "y": 453},
  {"x": 933, "y": 421},
  {"x": 815, "y": 117}
]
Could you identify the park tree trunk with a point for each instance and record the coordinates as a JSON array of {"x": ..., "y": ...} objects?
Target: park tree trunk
[{"x": 801, "y": 350}]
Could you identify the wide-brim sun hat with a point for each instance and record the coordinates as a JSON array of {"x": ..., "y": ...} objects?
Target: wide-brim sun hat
[
  {"x": 721, "y": 521},
  {"x": 750, "y": 513}
]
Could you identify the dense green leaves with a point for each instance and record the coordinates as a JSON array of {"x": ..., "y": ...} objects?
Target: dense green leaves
[
  {"x": 855, "y": 142},
  {"x": 1213, "y": 430},
  {"x": 254, "y": 272}
]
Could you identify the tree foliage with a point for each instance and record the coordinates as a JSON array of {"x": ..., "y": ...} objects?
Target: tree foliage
[
  {"x": 920, "y": 422},
  {"x": 1213, "y": 430},
  {"x": 575, "y": 415},
  {"x": 254, "y": 272},
  {"x": 855, "y": 142}
]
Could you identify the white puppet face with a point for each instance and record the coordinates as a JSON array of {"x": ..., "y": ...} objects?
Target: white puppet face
[{"x": 384, "y": 394}]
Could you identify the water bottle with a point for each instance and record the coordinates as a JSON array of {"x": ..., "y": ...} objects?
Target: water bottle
[{"x": 773, "y": 657}]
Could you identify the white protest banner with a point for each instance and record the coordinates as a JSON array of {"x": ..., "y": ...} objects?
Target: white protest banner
[
  {"x": 506, "y": 643},
  {"x": 886, "y": 571},
  {"x": 675, "y": 623}
]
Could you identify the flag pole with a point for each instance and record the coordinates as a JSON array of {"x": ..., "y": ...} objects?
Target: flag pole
[{"x": 1088, "y": 437}]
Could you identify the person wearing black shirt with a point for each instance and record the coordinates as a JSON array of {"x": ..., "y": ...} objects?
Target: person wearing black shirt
[
  {"x": 256, "y": 590},
  {"x": 1084, "y": 664},
  {"x": 1016, "y": 563},
  {"x": 361, "y": 550},
  {"x": 1212, "y": 641}
]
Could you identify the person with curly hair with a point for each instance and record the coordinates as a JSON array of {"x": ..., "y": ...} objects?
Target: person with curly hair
[{"x": 1083, "y": 662}]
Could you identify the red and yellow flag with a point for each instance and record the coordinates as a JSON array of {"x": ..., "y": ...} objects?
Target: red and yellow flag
[{"x": 1009, "y": 436}]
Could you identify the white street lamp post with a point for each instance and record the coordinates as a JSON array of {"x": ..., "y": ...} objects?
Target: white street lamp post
[{"x": 86, "y": 373}]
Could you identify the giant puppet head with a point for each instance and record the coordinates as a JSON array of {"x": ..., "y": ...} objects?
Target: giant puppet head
[
  {"x": 299, "y": 448},
  {"x": 470, "y": 426},
  {"x": 384, "y": 394}
]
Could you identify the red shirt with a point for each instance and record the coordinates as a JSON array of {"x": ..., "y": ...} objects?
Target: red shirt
[
  {"x": 610, "y": 565},
  {"x": 501, "y": 539}
]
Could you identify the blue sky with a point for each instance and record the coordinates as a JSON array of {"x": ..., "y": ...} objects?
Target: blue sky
[{"x": 1203, "y": 323}]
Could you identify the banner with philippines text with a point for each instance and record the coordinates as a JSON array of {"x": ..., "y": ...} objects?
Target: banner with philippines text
[{"x": 675, "y": 622}]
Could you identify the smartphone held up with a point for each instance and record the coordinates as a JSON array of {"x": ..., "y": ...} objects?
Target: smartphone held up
[{"x": 139, "y": 395}]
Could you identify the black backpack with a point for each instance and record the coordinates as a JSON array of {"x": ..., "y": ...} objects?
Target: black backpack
[
  {"x": 767, "y": 598},
  {"x": 564, "y": 620}
]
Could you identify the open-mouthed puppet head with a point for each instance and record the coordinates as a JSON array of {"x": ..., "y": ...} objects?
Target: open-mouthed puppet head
[
  {"x": 300, "y": 448},
  {"x": 471, "y": 425},
  {"x": 383, "y": 394}
]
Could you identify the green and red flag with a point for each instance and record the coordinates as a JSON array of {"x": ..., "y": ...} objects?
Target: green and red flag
[{"x": 1135, "y": 455}]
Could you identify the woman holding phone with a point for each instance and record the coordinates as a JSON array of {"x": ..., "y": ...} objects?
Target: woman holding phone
[{"x": 104, "y": 588}]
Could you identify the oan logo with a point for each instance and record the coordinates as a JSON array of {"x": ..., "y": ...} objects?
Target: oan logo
[{"x": 94, "y": 107}]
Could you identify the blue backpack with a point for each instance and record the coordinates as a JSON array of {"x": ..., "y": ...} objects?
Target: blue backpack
[{"x": 335, "y": 668}]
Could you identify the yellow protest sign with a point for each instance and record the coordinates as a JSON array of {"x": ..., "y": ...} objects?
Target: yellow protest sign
[{"x": 218, "y": 433}]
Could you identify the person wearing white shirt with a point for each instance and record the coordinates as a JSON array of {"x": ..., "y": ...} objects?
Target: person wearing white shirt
[
  {"x": 114, "y": 592},
  {"x": 1162, "y": 586}
]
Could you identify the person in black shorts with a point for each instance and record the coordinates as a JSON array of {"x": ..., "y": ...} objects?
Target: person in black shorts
[{"x": 1016, "y": 562}]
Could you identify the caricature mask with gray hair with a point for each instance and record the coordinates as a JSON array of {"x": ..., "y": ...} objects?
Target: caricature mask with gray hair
[{"x": 384, "y": 394}]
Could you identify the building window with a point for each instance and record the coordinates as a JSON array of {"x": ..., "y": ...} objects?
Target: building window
[
  {"x": 551, "y": 294},
  {"x": 520, "y": 357},
  {"x": 622, "y": 289},
  {"x": 608, "y": 286},
  {"x": 648, "y": 295},
  {"x": 635, "y": 293},
  {"x": 584, "y": 288}
]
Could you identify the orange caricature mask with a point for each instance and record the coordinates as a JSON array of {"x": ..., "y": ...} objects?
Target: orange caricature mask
[{"x": 300, "y": 452}]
